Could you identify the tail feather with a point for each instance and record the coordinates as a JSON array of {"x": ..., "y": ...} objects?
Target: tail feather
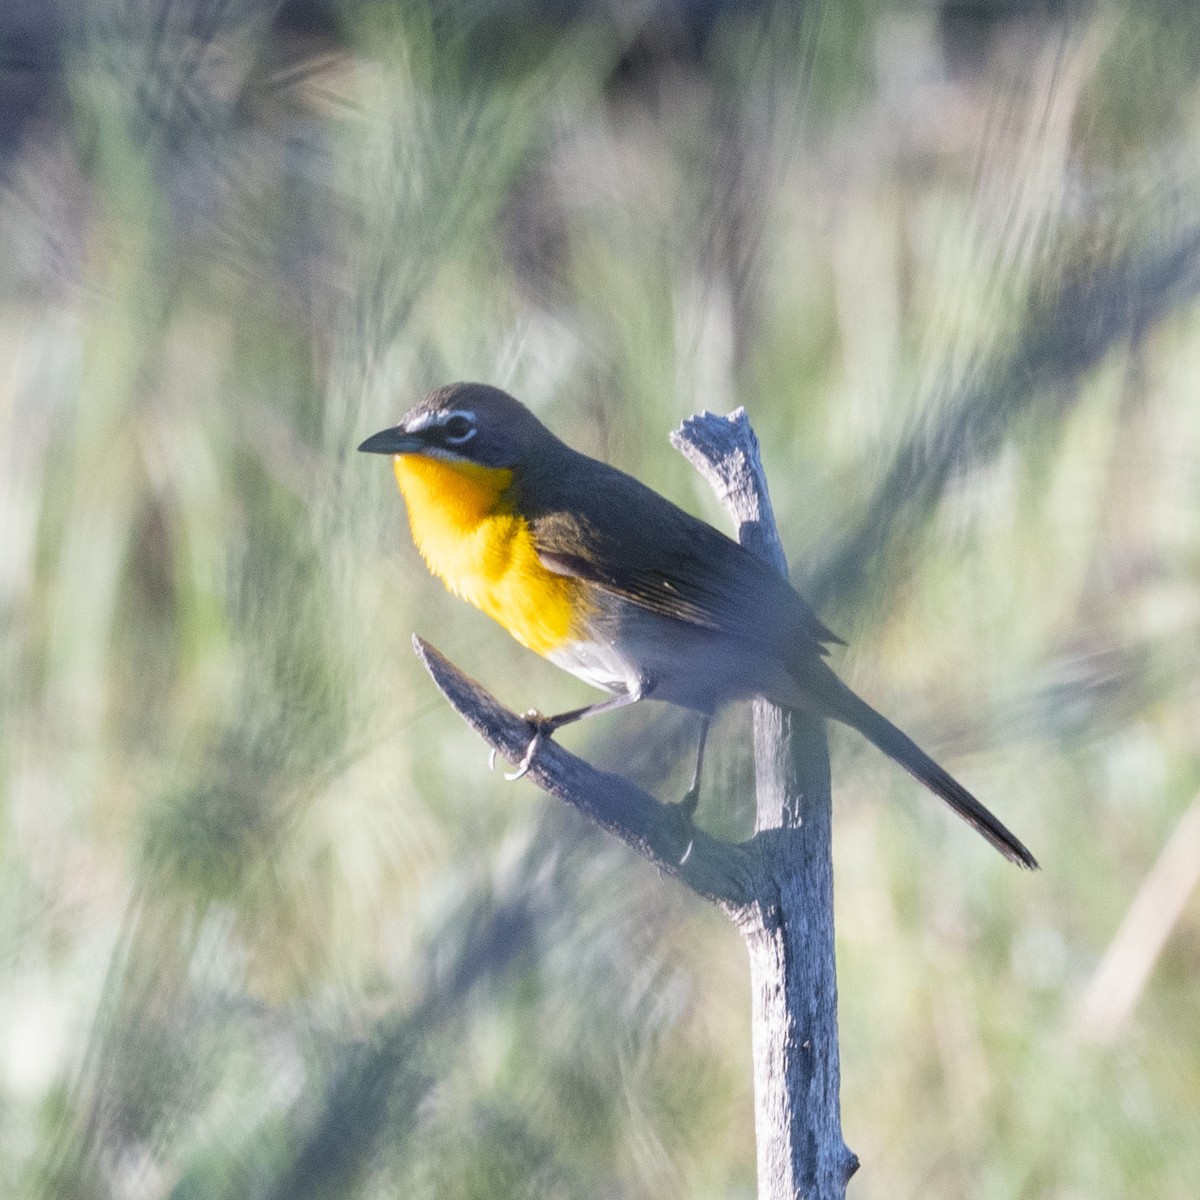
[{"x": 852, "y": 710}]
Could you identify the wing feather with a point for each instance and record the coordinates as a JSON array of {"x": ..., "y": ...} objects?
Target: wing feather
[{"x": 619, "y": 535}]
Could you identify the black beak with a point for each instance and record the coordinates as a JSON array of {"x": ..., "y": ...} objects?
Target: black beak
[{"x": 391, "y": 441}]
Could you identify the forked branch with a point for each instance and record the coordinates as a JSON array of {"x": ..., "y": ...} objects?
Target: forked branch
[{"x": 777, "y": 887}]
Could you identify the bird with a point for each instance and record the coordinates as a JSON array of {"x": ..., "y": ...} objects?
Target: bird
[{"x": 590, "y": 568}]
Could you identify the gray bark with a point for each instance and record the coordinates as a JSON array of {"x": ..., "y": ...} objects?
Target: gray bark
[
  {"x": 777, "y": 887},
  {"x": 788, "y": 929}
]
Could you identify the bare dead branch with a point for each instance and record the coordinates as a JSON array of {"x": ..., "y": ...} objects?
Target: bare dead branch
[
  {"x": 778, "y": 887},
  {"x": 789, "y": 931},
  {"x": 661, "y": 833}
]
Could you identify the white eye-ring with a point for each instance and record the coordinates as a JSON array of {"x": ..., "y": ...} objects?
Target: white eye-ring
[{"x": 459, "y": 427}]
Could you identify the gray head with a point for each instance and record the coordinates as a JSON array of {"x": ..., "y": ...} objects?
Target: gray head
[{"x": 468, "y": 422}]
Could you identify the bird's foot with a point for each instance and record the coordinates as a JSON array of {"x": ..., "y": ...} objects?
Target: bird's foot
[
  {"x": 686, "y": 808},
  {"x": 541, "y": 727},
  {"x": 690, "y": 801}
]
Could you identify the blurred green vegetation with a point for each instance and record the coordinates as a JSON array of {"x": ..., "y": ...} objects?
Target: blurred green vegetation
[{"x": 269, "y": 926}]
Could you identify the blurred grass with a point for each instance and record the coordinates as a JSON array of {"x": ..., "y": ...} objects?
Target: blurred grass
[{"x": 269, "y": 926}]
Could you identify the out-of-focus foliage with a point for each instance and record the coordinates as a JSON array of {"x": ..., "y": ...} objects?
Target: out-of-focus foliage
[{"x": 270, "y": 928}]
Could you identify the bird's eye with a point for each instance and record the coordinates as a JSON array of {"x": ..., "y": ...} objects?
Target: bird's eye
[{"x": 459, "y": 428}]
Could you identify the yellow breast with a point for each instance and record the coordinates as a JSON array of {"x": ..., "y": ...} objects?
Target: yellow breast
[{"x": 463, "y": 524}]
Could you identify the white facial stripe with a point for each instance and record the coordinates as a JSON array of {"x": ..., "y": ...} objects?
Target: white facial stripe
[
  {"x": 425, "y": 420},
  {"x": 443, "y": 452}
]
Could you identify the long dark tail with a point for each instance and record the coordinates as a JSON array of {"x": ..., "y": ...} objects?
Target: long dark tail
[{"x": 843, "y": 705}]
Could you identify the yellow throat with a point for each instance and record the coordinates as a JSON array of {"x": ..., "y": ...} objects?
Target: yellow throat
[{"x": 470, "y": 537}]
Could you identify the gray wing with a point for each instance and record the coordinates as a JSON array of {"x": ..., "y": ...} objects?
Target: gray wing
[{"x": 630, "y": 541}]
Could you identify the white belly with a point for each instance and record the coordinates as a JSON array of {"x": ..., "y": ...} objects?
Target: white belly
[
  {"x": 662, "y": 659},
  {"x": 599, "y": 663}
]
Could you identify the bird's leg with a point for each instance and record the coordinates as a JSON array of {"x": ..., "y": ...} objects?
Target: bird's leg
[
  {"x": 546, "y": 726},
  {"x": 692, "y": 797}
]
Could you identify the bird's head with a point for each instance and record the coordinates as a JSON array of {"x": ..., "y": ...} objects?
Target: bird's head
[{"x": 465, "y": 422}]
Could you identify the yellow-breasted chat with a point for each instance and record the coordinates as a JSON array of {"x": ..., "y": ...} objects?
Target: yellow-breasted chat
[{"x": 611, "y": 581}]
